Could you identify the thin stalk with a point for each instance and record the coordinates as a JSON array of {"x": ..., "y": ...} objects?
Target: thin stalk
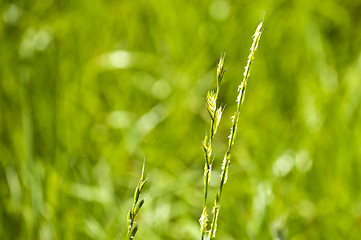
[
  {"x": 215, "y": 113},
  {"x": 232, "y": 136},
  {"x": 132, "y": 227}
]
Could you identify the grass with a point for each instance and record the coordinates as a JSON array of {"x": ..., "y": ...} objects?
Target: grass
[
  {"x": 88, "y": 90},
  {"x": 137, "y": 205},
  {"x": 215, "y": 114}
]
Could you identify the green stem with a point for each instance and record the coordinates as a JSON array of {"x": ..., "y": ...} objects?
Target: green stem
[
  {"x": 208, "y": 152},
  {"x": 227, "y": 156}
]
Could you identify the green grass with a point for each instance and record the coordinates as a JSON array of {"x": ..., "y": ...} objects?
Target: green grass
[
  {"x": 137, "y": 205},
  {"x": 215, "y": 113},
  {"x": 90, "y": 89},
  {"x": 235, "y": 118}
]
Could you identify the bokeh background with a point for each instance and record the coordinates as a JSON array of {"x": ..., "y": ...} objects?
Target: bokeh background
[{"x": 91, "y": 89}]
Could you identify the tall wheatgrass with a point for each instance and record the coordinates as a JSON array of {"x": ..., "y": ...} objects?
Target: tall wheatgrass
[
  {"x": 211, "y": 102},
  {"x": 215, "y": 113},
  {"x": 132, "y": 226}
]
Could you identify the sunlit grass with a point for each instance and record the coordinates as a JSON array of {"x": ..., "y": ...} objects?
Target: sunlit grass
[
  {"x": 215, "y": 114},
  {"x": 88, "y": 90}
]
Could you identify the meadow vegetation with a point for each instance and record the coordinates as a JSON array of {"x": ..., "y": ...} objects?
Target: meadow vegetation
[{"x": 88, "y": 90}]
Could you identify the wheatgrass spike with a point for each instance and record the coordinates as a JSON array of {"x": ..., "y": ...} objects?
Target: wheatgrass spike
[
  {"x": 137, "y": 205},
  {"x": 232, "y": 136},
  {"x": 215, "y": 113}
]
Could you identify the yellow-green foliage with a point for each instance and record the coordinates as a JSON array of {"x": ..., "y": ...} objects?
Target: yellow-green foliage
[
  {"x": 137, "y": 205},
  {"x": 211, "y": 102},
  {"x": 88, "y": 89}
]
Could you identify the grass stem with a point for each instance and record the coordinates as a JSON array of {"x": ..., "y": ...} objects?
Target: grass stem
[
  {"x": 215, "y": 113},
  {"x": 132, "y": 227},
  {"x": 227, "y": 157}
]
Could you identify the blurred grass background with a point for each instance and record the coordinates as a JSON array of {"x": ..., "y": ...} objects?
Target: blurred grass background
[{"x": 89, "y": 89}]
